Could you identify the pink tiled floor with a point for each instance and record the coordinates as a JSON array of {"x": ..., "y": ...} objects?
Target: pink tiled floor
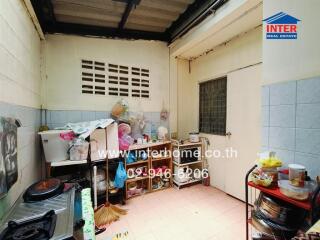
[{"x": 197, "y": 213}]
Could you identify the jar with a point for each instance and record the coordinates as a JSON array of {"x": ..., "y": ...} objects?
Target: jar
[{"x": 297, "y": 175}]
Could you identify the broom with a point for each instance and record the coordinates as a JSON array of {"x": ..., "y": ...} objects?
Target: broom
[{"x": 106, "y": 213}]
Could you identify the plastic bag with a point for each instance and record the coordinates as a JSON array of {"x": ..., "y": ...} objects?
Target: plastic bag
[
  {"x": 121, "y": 176},
  {"x": 78, "y": 149},
  {"x": 131, "y": 158}
]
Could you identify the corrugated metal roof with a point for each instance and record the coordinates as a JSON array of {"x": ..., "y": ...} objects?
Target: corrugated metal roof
[
  {"x": 148, "y": 15},
  {"x": 133, "y": 19}
]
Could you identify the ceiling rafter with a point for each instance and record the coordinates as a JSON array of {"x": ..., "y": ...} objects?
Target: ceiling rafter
[
  {"x": 163, "y": 20},
  {"x": 86, "y": 30},
  {"x": 193, "y": 15},
  {"x": 130, "y": 5}
]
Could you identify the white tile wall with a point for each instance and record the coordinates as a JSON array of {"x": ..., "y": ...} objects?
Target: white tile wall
[
  {"x": 20, "y": 90},
  {"x": 292, "y": 126}
]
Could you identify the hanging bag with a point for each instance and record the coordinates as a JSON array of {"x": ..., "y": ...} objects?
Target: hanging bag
[{"x": 121, "y": 176}]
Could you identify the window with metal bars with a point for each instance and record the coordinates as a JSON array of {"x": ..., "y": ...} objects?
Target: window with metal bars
[{"x": 213, "y": 106}]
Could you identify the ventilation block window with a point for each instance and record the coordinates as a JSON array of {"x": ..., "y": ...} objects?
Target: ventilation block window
[
  {"x": 140, "y": 82},
  {"x": 118, "y": 80},
  {"x": 213, "y": 106},
  {"x": 99, "y": 78},
  {"x": 93, "y": 77}
]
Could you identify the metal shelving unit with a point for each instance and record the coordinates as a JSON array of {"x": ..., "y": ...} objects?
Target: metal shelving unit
[
  {"x": 200, "y": 162},
  {"x": 311, "y": 206},
  {"x": 119, "y": 196}
]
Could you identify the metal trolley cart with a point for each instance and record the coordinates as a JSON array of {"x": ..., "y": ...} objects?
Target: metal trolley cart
[{"x": 252, "y": 190}]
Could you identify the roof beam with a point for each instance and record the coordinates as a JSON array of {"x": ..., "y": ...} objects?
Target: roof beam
[
  {"x": 194, "y": 14},
  {"x": 45, "y": 13},
  {"x": 167, "y": 5},
  {"x": 87, "y": 30},
  {"x": 129, "y": 7}
]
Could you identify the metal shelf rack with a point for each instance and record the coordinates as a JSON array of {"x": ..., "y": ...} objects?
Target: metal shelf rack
[{"x": 311, "y": 206}]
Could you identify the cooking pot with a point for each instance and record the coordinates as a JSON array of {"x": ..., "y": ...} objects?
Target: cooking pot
[
  {"x": 269, "y": 228},
  {"x": 278, "y": 211},
  {"x": 194, "y": 137}
]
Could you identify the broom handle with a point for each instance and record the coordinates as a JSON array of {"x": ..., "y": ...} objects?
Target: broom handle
[
  {"x": 95, "y": 187},
  {"x": 107, "y": 193},
  {"x": 107, "y": 160}
]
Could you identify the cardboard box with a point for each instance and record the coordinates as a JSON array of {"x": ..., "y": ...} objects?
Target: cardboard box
[
  {"x": 104, "y": 143},
  {"x": 112, "y": 141}
]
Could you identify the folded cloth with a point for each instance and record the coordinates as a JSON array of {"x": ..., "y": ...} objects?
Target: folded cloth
[{"x": 84, "y": 129}]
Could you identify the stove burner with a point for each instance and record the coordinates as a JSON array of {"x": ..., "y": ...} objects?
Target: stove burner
[
  {"x": 36, "y": 229},
  {"x": 28, "y": 232}
]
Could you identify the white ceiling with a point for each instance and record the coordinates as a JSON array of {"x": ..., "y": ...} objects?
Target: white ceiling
[{"x": 243, "y": 18}]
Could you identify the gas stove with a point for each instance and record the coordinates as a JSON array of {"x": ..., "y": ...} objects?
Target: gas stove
[{"x": 52, "y": 218}]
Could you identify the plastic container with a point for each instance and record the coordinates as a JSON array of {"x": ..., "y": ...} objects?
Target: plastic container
[
  {"x": 283, "y": 174},
  {"x": 266, "y": 182},
  {"x": 194, "y": 137},
  {"x": 79, "y": 150},
  {"x": 297, "y": 193},
  {"x": 55, "y": 144},
  {"x": 297, "y": 175},
  {"x": 273, "y": 173}
]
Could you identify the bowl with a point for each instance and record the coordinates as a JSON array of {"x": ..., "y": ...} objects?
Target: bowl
[{"x": 297, "y": 193}]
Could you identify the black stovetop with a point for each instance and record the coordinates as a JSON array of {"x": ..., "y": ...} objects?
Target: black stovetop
[{"x": 41, "y": 228}]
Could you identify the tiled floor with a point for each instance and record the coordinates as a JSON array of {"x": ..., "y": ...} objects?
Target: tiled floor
[{"x": 197, "y": 213}]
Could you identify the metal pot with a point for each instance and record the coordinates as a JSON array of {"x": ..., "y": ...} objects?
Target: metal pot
[
  {"x": 278, "y": 211},
  {"x": 269, "y": 228},
  {"x": 194, "y": 137}
]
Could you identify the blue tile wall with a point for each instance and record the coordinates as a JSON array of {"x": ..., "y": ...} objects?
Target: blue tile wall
[
  {"x": 291, "y": 122},
  {"x": 56, "y": 118},
  {"x": 312, "y": 110},
  {"x": 308, "y": 90},
  {"x": 282, "y": 116},
  {"x": 283, "y": 93},
  {"x": 29, "y": 162},
  {"x": 281, "y": 137},
  {"x": 265, "y": 115}
]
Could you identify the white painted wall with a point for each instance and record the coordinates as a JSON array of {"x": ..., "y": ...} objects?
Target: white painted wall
[
  {"x": 240, "y": 52},
  {"x": 187, "y": 100},
  {"x": 19, "y": 56},
  {"x": 226, "y": 60},
  {"x": 20, "y": 90},
  {"x": 173, "y": 116},
  {"x": 293, "y": 59},
  {"x": 62, "y": 90}
]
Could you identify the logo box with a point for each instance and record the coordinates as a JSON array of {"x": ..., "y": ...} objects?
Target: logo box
[{"x": 281, "y": 26}]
